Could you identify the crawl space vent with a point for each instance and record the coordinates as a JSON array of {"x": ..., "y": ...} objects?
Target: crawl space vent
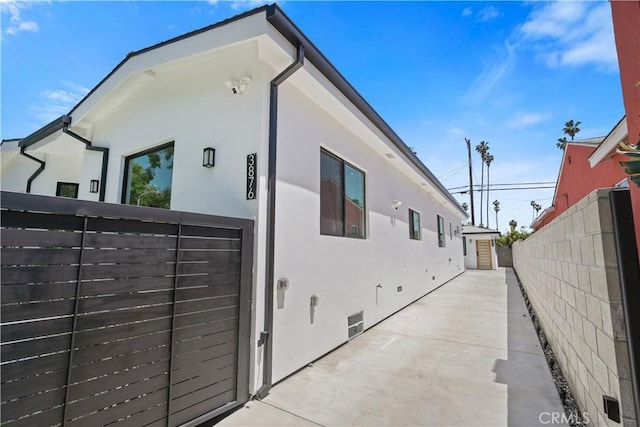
[{"x": 355, "y": 323}]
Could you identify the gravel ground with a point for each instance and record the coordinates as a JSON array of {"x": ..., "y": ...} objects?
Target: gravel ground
[{"x": 570, "y": 405}]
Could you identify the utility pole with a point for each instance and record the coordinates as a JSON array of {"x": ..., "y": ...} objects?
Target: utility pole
[{"x": 473, "y": 215}]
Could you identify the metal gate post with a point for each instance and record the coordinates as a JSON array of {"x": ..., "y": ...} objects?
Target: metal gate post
[
  {"x": 629, "y": 272},
  {"x": 173, "y": 325},
  {"x": 75, "y": 322}
]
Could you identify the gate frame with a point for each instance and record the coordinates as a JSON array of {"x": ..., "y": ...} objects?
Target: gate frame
[
  {"x": 83, "y": 208},
  {"x": 629, "y": 275}
]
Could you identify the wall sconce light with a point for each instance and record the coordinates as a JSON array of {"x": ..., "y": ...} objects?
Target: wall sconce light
[
  {"x": 395, "y": 204},
  {"x": 94, "y": 186},
  {"x": 208, "y": 157}
]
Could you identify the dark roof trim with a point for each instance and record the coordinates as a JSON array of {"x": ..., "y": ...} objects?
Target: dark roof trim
[
  {"x": 292, "y": 33},
  {"x": 166, "y": 42},
  {"x": 43, "y": 132}
]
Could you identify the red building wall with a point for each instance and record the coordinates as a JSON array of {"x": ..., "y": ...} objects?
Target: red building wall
[
  {"x": 626, "y": 26},
  {"x": 577, "y": 178}
]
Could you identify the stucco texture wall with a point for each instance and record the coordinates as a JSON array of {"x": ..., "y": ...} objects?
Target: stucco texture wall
[{"x": 569, "y": 272}]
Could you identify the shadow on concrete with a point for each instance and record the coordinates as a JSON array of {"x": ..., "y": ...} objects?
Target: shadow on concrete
[{"x": 532, "y": 396}]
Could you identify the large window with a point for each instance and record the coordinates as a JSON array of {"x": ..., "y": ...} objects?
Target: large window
[
  {"x": 414, "y": 225},
  {"x": 67, "y": 189},
  {"x": 147, "y": 177},
  {"x": 342, "y": 201},
  {"x": 441, "y": 237}
]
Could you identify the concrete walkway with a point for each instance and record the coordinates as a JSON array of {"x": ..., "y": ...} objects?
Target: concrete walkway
[{"x": 464, "y": 355}]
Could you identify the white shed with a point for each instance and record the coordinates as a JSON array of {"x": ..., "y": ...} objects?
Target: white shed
[
  {"x": 218, "y": 120},
  {"x": 479, "y": 247}
]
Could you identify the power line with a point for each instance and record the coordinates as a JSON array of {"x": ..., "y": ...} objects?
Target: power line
[
  {"x": 511, "y": 184},
  {"x": 505, "y": 189}
]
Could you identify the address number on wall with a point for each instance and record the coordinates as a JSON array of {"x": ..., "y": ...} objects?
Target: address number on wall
[{"x": 252, "y": 164}]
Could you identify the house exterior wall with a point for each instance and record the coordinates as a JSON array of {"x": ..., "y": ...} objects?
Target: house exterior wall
[
  {"x": 187, "y": 102},
  {"x": 578, "y": 179},
  {"x": 344, "y": 272},
  {"x": 192, "y": 107},
  {"x": 471, "y": 259},
  {"x": 569, "y": 271},
  {"x": 626, "y": 15},
  {"x": 16, "y": 170}
]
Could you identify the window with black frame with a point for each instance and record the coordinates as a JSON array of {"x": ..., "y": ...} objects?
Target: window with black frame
[
  {"x": 441, "y": 237},
  {"x": 148, "y": 176},
  {"x": 67, "y": 189},
  {"x": 414, "y": 225},
  {"x": 342, "y": 198}
]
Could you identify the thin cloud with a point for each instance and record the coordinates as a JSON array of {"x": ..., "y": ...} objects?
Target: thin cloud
[
  {"x": 17, "y": 23},
  {"x": 246, "y": 4},
  {"x": 467, "y": 11},
  {"x": 489, "y": 13},
  {"x": 491, "y": 75},
  {"x": 522, "y": 120},
  {"x": 56, "y": 102},
  {"x": 572, "y": 34}
]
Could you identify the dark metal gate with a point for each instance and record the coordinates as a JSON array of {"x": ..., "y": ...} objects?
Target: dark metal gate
[
  {"x": 629, "y": 273},
  {"x": 119, "y": 314}
]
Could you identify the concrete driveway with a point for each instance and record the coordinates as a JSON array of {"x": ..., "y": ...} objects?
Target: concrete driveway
[{"x": 464, "y": 355}]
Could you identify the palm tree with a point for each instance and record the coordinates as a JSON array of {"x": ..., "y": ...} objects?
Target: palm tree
[
  {"x": 496, "y": 207},
  {"x": 536, "y": 208},
  {"x": 482, "y": 148},
  {"x": 570, "y": 128},
  {"x": 488, "y": 159}
]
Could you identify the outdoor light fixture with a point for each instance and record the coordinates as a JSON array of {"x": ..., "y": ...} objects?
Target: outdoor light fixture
[
  {"x": 208, "y": 157},
  {"x": 94, "y": 186},
  {"x": 396, "y": 204}
]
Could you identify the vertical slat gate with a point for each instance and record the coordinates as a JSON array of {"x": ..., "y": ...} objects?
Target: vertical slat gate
[{"x": 118, "y": 314}]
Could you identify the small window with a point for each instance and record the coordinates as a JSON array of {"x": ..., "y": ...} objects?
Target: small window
[
  {"x": 450, "y": 231},
  {"x": 67, "y": 189},
  {"x": 414, "y": 225},
  {"x": 148, "y": 176},
  {"x": 441, "y": 237},
  {"x": 342, "y": 198},
  {"x": 464, "y": 245}
]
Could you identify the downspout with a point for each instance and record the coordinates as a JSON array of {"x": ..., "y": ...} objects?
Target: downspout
[
  {"x": 37, "y": 172},
  {"x": 266, "y": 337},
  {"x": 66, "y": 120}
]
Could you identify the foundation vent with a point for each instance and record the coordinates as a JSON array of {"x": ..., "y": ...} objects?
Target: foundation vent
[{"x": 355, "y": 324}]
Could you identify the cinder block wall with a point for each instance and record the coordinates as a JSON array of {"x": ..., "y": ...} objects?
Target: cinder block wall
[{"x": 569, "y": 270}]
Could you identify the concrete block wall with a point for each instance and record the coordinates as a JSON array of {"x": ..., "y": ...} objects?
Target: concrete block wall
[{"x": 569, "y": 270}]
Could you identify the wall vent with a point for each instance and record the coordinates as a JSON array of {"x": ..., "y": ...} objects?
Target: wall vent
[
  {"x": 355, "y": 324},
  {"x": 390, "y": 155}
]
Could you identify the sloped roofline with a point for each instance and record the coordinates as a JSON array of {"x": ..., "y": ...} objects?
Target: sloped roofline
[
  {"x": 281, "y": 22},
  {"x": 609, "y": 143}
]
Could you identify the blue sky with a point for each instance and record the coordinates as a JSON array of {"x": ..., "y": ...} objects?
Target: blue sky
[{"x": 510, "y": 73}]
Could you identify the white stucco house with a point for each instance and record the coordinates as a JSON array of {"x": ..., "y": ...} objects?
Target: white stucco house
[
  {"x": 479, "y": 247},
  {"x": 246, "y": 118}
]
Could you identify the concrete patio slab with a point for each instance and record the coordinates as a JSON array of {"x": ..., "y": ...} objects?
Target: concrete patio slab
[{"x": 464, "y": 355}]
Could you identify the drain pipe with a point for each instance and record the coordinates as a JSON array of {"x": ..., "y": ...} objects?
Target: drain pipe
[
  {"x": 37, "y": 172},
  {"x": 266, "y": 337},
  {"x": 66, "y": 121}
]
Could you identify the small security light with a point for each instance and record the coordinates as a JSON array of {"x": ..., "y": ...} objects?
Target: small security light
[
  {"x": 208, "y": 157},
  {"x": 238, "y": 86},
  {"x": 94, "y": 186}
]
